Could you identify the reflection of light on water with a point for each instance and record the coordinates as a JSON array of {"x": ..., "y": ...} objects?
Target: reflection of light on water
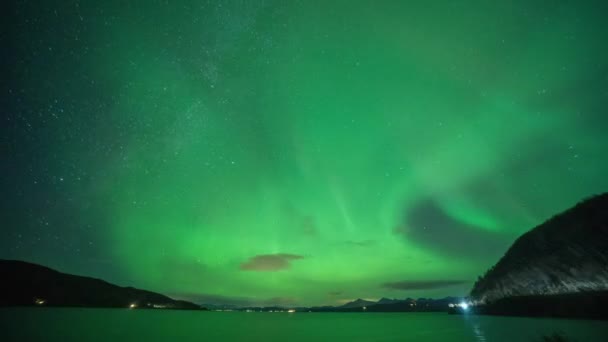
[{"x": 478, "y": 332}]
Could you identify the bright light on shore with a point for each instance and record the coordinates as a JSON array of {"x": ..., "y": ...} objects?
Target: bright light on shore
[
  {"x": 291, "y": 310},
  {"x": 132, "y": 306},
  {"x": 464, "y": 305}
]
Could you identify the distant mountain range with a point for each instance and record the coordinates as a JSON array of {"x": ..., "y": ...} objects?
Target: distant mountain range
[
  {"x": 382, "y": 305},
  {"x": 26, "y": 284}
]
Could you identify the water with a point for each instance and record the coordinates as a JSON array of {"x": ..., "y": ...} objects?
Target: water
[{"x": 67, "y": 324}]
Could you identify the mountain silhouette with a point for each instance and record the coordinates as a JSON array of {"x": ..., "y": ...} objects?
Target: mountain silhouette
[
  {"x": 385, "y": 300},
  {"x": 566, "y": 254},
  {"x": 27, "y": 284},
  {"x": 557, "y": 269},
  {"x": 359, "y": 303}
]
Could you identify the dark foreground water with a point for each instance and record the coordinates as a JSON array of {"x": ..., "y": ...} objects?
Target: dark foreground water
[{"x": 64, "y": 324}]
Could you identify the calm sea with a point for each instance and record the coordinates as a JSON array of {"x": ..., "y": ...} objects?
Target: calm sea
[{"x": 66, "y": 324}]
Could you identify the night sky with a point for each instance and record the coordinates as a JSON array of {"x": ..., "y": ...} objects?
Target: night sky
[{"x": 260, "y": 152}]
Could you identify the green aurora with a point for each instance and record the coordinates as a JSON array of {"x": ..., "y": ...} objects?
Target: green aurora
[{"x": 296, "y": 153}]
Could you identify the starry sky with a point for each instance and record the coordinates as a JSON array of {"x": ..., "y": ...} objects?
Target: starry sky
[{"x": 299, "y": 152}]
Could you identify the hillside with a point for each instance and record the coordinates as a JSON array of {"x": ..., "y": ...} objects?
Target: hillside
[
  {"x": 26, "y": 284},
  {"x": 566, "y": 254}
]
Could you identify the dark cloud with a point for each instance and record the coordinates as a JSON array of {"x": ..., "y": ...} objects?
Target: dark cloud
[
  {"x": 422, "y": 285},
  {"x": 269, "y": 262},
  {"x": 427, "y": 224},
  {"x": 334, "y": 293}
]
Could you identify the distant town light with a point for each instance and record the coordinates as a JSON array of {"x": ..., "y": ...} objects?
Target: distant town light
[
  {"x": 39, "y": 301},
  {"x": 291, "y": 310},
  {"x": 132, "y": 306}
]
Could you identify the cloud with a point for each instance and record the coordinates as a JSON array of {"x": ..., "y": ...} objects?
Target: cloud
[
  {"x": 429, "y": 225},
  {"x": 269, "y": 262},
  {"x": 422, "y": 284},
  {"x": 334, "y": 293},
  {"x": 494, "y": 214}
]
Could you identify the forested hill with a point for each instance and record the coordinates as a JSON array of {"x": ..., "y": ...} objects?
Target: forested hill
[{"x": 566, "y": 254}]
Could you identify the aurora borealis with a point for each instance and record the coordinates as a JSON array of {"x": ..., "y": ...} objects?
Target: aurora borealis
[{"x": 296, "y": 153}]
